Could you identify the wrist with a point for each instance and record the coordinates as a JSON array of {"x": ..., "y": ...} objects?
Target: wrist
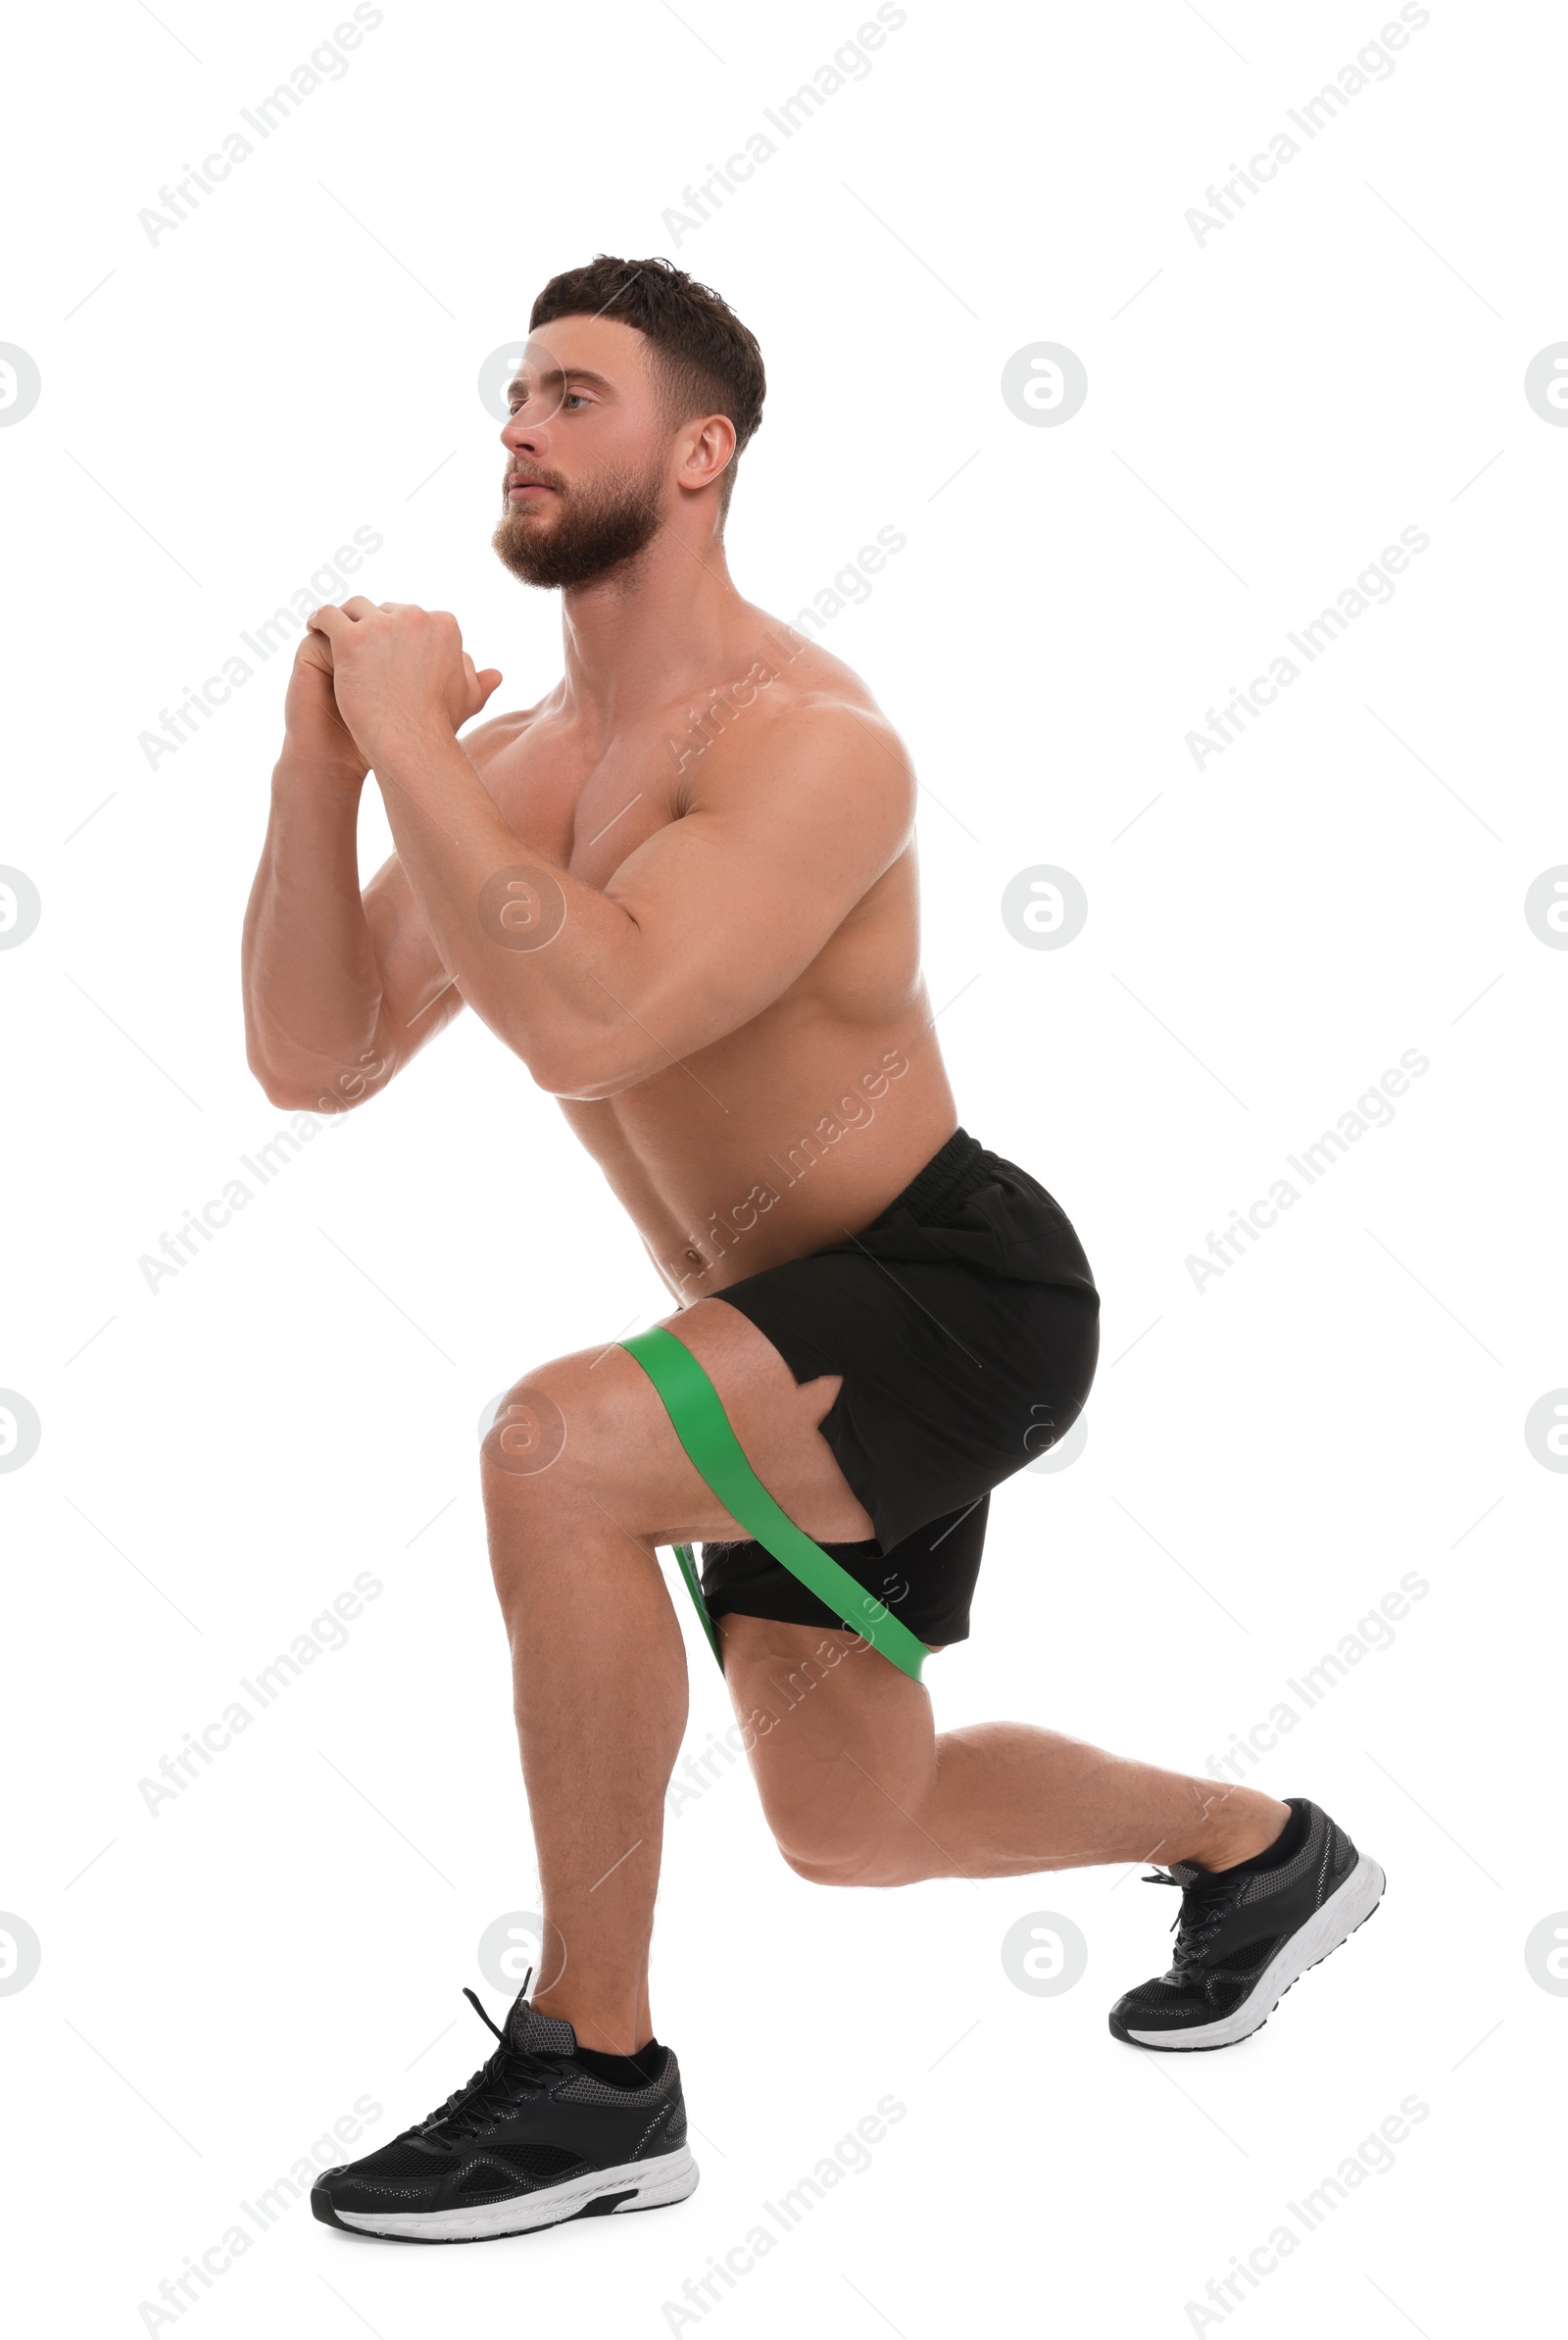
[
  {"x": 409, "y": 745},
  {"x": 319, "y": 775}
]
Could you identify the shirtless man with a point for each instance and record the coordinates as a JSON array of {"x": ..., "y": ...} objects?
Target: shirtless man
[{"x": 681, "y": 889}]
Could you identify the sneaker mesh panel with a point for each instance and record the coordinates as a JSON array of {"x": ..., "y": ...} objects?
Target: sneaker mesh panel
[
  {"x": 539, "y": 2160},
  {"x": 539, "y": 2034},
  {"x": 400, "y": 2162},
  {"x": 1327, "y": 1848},
  {"x": 584, "y": 2089}
]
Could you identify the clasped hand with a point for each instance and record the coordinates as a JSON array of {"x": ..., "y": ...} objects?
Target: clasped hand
[{"x": 400, "y": 674}]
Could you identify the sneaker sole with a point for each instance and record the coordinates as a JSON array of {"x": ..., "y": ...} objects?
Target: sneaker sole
[
  {"x": 1346, "y": 1908},
  {"x": 636, "y": 2185}
]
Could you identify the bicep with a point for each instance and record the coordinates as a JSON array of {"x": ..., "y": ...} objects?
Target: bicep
[{"x": 732, "y": 903}]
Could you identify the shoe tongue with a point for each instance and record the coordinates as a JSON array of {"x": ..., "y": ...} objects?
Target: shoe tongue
[
  {"x": 1186, "y": 1873},
  {"x": 538, "y": 2034}
]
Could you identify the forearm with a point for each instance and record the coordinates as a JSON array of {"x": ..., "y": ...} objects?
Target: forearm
[
  {"x": 312, "y": 981},
  {"x": 544, "y": 960}
]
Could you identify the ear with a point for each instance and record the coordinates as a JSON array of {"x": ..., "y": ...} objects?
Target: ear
[{"x": 707, "y": 449}]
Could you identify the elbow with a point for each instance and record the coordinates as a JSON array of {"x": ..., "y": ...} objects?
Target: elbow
[
  {"x": 293, "y": 1094},
  {"x": 276, "y": 1086},
  {"x": 300, "y": 1078},
  {"x": 288, "y": 1096},
  {"x": 574, "y": 1083}
]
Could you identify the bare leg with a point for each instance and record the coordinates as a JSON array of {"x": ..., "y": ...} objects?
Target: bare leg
[
  {"x": 860, "y": 1790},
  {"x": 579, "y": 1486},
  {"x": 598, "y": 1676}
]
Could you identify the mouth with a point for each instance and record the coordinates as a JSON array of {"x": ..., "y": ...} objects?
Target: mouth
[{"x": 518, "y": 489}]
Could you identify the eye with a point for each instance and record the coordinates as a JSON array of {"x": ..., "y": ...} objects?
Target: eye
[{"x": 574, "y": 398}]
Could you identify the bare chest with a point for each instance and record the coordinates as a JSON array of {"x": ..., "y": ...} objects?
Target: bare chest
[{"x": 584, "y": 809}]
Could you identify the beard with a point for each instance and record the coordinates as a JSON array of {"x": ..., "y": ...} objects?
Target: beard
[{"x": 591, "y": 531}]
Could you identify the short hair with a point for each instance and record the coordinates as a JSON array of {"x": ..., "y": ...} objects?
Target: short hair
[{"x": 709, "y": 361}]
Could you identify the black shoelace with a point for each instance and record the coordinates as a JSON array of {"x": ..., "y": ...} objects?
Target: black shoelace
[
  {"x": 495, "y": 2088},
  {"x": 1198, "y": 1918}
]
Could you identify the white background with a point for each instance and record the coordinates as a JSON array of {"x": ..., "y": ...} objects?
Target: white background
[{"x": 1265, "y": 1458}]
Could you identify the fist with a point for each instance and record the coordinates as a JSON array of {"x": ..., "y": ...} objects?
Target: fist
[
  {"x": 314, "y": 734},
  {"x": 400, "y": 674}
]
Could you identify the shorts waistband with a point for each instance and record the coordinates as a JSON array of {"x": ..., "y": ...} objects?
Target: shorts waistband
[{"x": 952, "y": 1166}]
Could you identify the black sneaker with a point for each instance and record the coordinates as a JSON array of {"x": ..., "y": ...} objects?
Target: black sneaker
[
  {"x": 1245, "y": 1936},
  {"x": 535, "y": 2139}
]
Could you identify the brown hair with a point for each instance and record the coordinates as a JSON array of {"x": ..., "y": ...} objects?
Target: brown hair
[{"x": 708, "y": 362}]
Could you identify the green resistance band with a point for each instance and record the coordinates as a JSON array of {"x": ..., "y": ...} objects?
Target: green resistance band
[{"x": 703, "y": 1428}]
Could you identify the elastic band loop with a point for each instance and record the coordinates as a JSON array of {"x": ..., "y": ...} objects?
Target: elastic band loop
[{"x": 703, "y": 1430}]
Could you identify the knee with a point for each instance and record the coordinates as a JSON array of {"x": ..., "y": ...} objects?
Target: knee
[
  {"x": 826, "y": 1853},
  {"x": 555, "y": 1415},
  {"x": 527, "y": 1434},
  {"x": 849, "y": 1869}
]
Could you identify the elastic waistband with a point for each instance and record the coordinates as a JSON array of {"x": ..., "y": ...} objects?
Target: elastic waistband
[{"x": 951, "y": 1167}]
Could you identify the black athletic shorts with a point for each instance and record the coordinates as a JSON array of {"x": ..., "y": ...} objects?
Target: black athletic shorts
[{"x": 965, "y": 1324}]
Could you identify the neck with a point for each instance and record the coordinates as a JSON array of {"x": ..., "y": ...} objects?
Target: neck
[{"x": 653, "y": 632}]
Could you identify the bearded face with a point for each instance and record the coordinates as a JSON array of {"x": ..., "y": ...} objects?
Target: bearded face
[{"x": 555, "y": 533}]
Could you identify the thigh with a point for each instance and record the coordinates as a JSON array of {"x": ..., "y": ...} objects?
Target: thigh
[
  {"x": 842, "y": 1745},
  {"x": 597, "y": 1434}
]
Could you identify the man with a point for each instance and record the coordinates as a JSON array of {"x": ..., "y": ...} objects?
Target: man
[{"x": 681, "y": 887}]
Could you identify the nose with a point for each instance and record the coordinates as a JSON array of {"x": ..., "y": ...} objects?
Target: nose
[{"x": 522, "y": 436}]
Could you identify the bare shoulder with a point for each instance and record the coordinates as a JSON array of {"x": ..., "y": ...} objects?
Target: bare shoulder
[{"x": 805, "y": 727}]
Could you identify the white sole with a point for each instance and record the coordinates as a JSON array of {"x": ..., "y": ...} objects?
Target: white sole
[
  {"x": 1349, "y": 1906},
  {"x": 646, "y": 2185}
]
